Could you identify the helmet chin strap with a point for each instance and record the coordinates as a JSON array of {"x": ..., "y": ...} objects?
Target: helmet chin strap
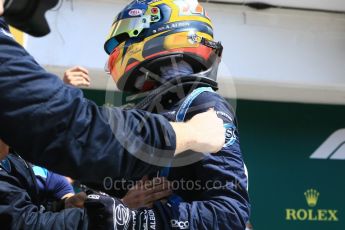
[{"x": 174, "y": 90}]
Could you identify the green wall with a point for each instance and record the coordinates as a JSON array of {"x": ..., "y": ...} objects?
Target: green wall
[{"x": 277, "y": 140}]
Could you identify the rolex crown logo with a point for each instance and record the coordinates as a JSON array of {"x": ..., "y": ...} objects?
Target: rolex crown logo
[{"x": 311, "y": 195}]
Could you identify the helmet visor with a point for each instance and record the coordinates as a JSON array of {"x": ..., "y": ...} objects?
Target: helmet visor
[{"x": 121, "y": 30}]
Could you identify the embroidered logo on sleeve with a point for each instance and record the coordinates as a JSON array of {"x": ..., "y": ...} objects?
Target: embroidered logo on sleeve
[
  {"x": 230, "y": 136},
  {"x": 224, "y": 115}
]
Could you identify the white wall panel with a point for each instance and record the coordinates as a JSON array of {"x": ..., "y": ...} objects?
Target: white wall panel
[
  {"x": 332, "y": 5},
  {"x": 301, "y": 53}
]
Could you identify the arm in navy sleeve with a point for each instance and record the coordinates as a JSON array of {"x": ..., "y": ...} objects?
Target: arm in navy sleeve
[
  {"x": 17, "y": 210},
  {"x": 57, "y": 186},
  {"x": 54, "y": 126}
]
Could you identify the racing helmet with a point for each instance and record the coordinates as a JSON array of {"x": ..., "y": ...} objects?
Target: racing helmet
[{"x": 148, "y": 34}]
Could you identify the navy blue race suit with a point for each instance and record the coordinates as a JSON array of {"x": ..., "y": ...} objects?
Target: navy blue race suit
[
  {"x": 211, "y": 193},
  {"x": 53, "y": 125},
  {"x": 26, "y": 204},
  {"x": 23, "y": 205},
  {"x": 217, "y": 196}
]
